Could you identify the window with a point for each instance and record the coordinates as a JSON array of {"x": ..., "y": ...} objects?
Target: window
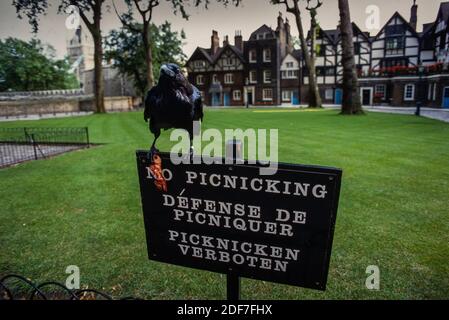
[
  {"x": 395, "y": 30},
  {"x": 325, "y": 71},
  {"x": 394, "y": 62},
  {"x": 237, "y": 95},
  {"x": 267, "y": 55},
  {"x": 395, "y": 46},
  {"x": 267, "y": 94},
  {"x": 253, "y": 56},
  {"x": 215, "y": 79},
  {"x": 229, "y": 62},
  {"x": 329, "y": 94},
  {"x": 289, "y": 65},
  {"x": 260, "y": 36},
  {"x": 381, "y": 91},
  {"x": 432, "y": 92},
  {"x": 409, "y": 92},
  {"x": 286, "y": 96},
  {"x": 289, "y": 74},
  {"x": 267, "y": 76},
  {"x": 199, "y": 64},
  {"x": 229, "y": 78},
  {"x": 200, "y": 79},
  {"x": 253, "y": 76}
]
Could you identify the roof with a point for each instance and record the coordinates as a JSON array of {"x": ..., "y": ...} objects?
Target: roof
[
  {"x": 297, "y": 53},
  {"x": 407, "y": 24},
  {"x": 444, "y": 10},
  {"x": 427, "y": 27},
  {"x": 206, "y": 53},
  {"x": 334, "y": 34},
  {"x": 262, "y": 29}
]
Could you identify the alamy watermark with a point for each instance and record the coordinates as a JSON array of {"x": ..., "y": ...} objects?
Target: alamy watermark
[
  {"x": 373, "y": 280},
  {"x": 262, "y": 146},
  {"x": 73, "y": 280}
]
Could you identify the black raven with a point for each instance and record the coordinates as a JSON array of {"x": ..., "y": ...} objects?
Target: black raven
[{"x": 173, "y": 103}]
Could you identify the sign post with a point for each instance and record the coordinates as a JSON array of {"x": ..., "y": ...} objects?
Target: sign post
[
  {"x": 233, "y": 151},
  {"x": 230, "y": 219}
]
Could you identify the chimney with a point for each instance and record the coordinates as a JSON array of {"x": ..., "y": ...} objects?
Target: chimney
[
  {"x": 280, "y": 21},
  {"x": 414, "y": 15},
  {"x": 238, "y": 40},
  {"x": 215, "y": 43},
  {"x": 226, "y": 41},
  {"x": 287, "y": 27}
]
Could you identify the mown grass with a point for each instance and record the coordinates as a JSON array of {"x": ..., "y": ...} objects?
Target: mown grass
[{"x": 83, "y": 208}]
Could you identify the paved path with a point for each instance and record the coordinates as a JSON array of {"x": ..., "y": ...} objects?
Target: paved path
[
  {"x": 437, "y": 114},
  {"x": 45, "y": 116}
]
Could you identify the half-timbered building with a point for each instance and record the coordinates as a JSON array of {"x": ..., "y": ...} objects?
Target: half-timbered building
[{"x": 400, "y": 65}]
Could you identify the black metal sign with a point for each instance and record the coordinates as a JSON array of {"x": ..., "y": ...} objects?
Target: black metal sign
[{"x": 229, "y": 219}]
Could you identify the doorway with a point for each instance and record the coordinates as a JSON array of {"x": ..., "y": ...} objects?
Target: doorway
[
  {"x": 446, "y": 98},
  {"x": 367, "y": 96},
  {"x": 338, "y": 96}
]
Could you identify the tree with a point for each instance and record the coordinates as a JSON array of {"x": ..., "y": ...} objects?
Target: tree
[
  {"x": 146, "y": 8},
  {"x": 351, "y": 97},
  {"x": 34, "y": 8},
  {"x": 125, "y": 49},
  {"x": 293, "y": 7},
  {"x": 30, "y": 66}
]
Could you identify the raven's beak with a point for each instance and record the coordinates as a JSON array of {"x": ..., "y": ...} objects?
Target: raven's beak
[{"x": 166, "y": 70}]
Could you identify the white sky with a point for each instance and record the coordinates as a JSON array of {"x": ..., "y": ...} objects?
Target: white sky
[{"x": 247, "y": 18}]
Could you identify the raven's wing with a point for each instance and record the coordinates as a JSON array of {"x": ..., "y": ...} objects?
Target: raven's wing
[
  {"x": 152, "y": 101},
  {"x": 197, "y": 102}
]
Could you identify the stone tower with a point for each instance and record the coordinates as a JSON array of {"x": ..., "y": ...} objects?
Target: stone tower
[{"x": 80, "y": 51}]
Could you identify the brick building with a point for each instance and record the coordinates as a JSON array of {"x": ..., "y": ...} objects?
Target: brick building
[{"x": 246, "y": 72}]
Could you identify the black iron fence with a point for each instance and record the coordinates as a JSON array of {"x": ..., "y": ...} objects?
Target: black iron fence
[
  {"x": 16, "y": 287},
  {"x": 24, "y": 144}
]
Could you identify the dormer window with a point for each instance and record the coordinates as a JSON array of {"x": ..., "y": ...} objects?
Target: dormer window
[
  {"x": 253, "y": 56},
  {"x": 260, "y": 36},
  {"x": 267, "y": 55}
]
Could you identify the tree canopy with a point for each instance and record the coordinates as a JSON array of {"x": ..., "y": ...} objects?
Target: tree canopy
[
  {"x": 125, "y": 50},
  {"x": 28, "y": 66}
]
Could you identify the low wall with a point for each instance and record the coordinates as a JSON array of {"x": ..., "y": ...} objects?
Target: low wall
[{"x": 25, "y": 107}]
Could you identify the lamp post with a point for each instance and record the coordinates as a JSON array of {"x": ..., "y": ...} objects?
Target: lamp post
[{"x": 420, "y": 91}]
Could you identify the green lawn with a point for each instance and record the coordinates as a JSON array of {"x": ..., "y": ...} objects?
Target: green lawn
[{"x": 83, "y": 208}]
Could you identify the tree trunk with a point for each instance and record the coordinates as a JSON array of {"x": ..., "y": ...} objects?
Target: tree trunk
[
  {"x": 148, "y": 54},
  {"x": 351, "y": 97},
  {"x": 314, "y": 93},
  {"x": 313, "y": 88},
  {"x": 98, "y": 73}
]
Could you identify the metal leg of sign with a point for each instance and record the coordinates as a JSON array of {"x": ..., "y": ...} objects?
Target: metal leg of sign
[
  {"x": 234, "y": 150},
  {"x": 233, "y": 287}
]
